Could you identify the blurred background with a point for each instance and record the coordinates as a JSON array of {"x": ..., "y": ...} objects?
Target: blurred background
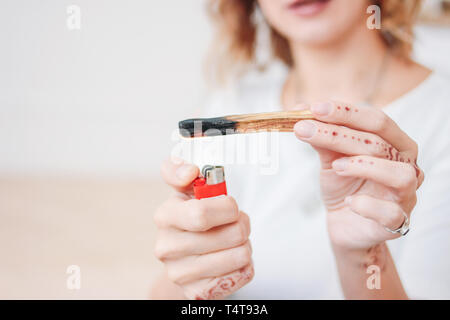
[{"x": 86, "y": 116}]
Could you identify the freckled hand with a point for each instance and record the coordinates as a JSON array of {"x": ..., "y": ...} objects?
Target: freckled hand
[{"x": 369, "y": 173}]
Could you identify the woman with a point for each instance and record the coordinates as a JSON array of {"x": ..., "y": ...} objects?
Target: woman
[{"x": 376, "y": 110}]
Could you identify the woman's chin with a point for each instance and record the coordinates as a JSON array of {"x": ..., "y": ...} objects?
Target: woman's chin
[
  {"x": 314, "y": 36},
  {"x": 319, "y": 22}
]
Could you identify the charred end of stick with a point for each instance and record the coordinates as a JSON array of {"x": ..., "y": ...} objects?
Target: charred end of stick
[{"x": 191, "y": 128}]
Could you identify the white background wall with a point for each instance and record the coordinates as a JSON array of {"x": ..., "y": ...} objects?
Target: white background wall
[{"x": 106, "y": 99}]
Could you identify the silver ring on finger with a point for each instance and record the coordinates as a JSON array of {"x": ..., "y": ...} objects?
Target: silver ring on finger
[{"x": 403, "y": 229}]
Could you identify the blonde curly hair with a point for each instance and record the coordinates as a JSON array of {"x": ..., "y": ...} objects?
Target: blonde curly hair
[{"x": 236, "y": 29}]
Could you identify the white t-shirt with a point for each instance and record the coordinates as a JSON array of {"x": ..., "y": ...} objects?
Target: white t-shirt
[{"x": 274, "y": 178}]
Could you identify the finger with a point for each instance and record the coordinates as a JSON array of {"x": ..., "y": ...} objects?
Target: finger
[
  {"x": 197, "y": 215},
  {"x": 174, "y": 243},
  {"x": 219, "y": 287},
  {"x": 401, "y": 147},
  {"x": 420, "y": 175},
  {"x": 398, "y": 175},
  {"x": 188, "y": 269},
  {"x": 343, "y": 140},
  {"x": 387, "y": 213},
  {"x": 366, "y": 119},
  {"x": 179, "y": 174}
]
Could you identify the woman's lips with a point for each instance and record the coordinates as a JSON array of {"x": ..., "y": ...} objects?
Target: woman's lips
[{"x": 307, "y": 8}]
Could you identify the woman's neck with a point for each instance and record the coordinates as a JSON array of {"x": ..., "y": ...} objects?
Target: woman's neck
[{"x": 346, "y": 70}]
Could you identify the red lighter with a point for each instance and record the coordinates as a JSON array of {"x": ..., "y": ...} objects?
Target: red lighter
[{"x": 212, "y": 184}]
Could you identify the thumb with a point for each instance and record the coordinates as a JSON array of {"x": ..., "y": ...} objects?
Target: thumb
[{"x": 179, "y": 174}]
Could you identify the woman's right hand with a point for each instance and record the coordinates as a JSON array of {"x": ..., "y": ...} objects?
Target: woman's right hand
[{"x": 203, "y": 243}]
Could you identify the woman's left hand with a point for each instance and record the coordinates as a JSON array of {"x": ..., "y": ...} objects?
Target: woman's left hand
[{"x": 369, "y": 174}]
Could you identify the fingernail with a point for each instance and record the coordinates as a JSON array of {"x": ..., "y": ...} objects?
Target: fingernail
[
  {"x": 321, "y": 108},
  {"x": 340, "y": 164},
  {"x": 348, "y": 200},
  {"x": 185, "y": 172},
  {"x": 305, "y": 129}
]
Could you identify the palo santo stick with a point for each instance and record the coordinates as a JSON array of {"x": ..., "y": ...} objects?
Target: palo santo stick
[{"x": 283, "y": 121}]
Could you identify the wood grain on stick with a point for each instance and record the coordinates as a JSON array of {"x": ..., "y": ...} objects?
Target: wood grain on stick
[{"x": 282, "y": 121}]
